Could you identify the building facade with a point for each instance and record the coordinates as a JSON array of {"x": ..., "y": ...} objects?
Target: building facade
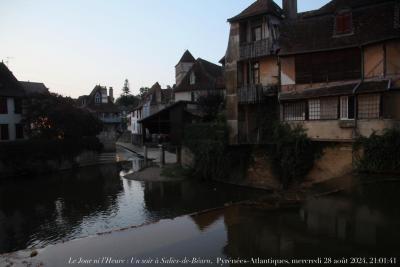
[
  {"x": 340, "y": 71},
  {"x": 11, "y": 97},
  {"x": 252, "y": 71},
  {"x": 100, "y": 102},
  {"x": 197, "y": 77}
]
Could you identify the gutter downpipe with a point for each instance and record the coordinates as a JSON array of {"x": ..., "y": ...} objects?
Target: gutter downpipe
[{"x": 355, "y": 133}]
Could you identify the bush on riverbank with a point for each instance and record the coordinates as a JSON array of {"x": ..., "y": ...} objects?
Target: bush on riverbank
[
  {"x": 378, "y": 153},
  {"x": 213, "y": 158},
  {"x": 292, "y": 153}
]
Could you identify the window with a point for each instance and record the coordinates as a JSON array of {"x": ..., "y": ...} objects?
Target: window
[
  {"x": 343, "y": 23},
  {"x": 294, "y": 111},
  {"x": 328, "y": 66},
  {"x": 323, "y": 109},
  {"x": 314, "y": 109},
  {"x": 256, "y": 33},
  {"x": 17, "y": 106},
  {"x": 192, "y": 78},
  {"x": 97, "y": 98},
  {"x": 329, "y": 108},
  {"x": 369, "y": 106},
  {"x": 255, "y": 70},
  {"x": 4, "y": 132},
  {"x": 347, "y": 109},
  {"x": 19, "y": 131},
  {"x": 3, "y": 105}
]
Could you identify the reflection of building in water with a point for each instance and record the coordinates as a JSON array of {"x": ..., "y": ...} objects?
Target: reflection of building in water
[
  {"x": 205, "y": 220},
  {"x": 336, "y": 226}
]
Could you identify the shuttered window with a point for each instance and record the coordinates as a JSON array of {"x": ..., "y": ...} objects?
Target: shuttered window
[
  {"x": 328, "y": 66},
  {"x": 369, "y": 106},
  {"x": 343, "y": 23},
  {"x": 295, "y": 111}
]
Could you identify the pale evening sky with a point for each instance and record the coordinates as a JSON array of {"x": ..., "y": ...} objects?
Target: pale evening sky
[{"x": 72, "y": 45}]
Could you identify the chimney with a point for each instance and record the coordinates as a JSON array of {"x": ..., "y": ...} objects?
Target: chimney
[
  {"x": 290, "y": 8},
  {"x": 111, "y": 94}
]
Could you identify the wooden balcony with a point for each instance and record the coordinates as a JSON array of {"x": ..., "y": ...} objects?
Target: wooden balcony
[
  {"x": 255, "y": 93},
  {"x": 256, "y": 49}
]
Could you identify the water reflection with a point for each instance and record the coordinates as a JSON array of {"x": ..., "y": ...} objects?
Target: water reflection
[
  {"x": 358, "y": 223},
  {"x": 36, "y": 212}
]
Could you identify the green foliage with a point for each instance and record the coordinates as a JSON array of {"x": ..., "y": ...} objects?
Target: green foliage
[
  {"x": 23, "y": 157},
  {"x": 292, "y": 153},
  {"x": 52, "y": 116},
  {"x": 126, "y": 90},
  {"x": 213, "y": 158},
  {"x": 379, "y": 153},
  {"x": 143, "y": 91},
  {"x": 211, "y": 105},
  {"x": 127, "y": 101}
]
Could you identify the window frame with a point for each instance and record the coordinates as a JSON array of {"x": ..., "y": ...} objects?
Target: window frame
[
  {"x": 97, "y": 98},
  {"x": 295, "y": 106},
  {"x": 343, "y": 22},
  {"x": 345, "y": 100}
]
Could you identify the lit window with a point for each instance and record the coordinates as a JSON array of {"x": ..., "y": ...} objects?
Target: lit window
[
  {"x": 97, "y": 98},
  {"x": 343, "y": 23},
  {"x": 369, "y": 106},
  {"x": 294, "y": 111},
  {"x": 192, "y": 78},
  {"x": 347, "y": 110}
]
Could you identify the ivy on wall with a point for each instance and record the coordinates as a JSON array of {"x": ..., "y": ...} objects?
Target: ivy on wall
[{"x": 378, "y": 153}]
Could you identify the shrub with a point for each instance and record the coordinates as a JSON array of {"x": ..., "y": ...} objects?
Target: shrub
[
  {"x": 292, "y": 153},
  {"x": 378, "y": 153}
]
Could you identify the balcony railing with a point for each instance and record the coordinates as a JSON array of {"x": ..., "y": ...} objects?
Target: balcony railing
[
  {"x": 255, "y": 93},
  {"x": 256, "y": 49}
]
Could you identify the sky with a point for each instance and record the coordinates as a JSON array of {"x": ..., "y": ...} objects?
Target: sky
[{"x": 73, "y": 45}]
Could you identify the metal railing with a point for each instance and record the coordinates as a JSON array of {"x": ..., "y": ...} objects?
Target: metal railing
[{"x": 255, "y": 93}]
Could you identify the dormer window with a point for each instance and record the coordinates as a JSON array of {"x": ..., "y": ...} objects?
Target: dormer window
[
  {"x": 97, "y": 98},
  {"x": 192, "y": 78},
  {"x": 343, "y": 22}
]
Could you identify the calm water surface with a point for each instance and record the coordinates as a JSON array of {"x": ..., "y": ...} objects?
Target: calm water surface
[{"x": 37, "y": 212}]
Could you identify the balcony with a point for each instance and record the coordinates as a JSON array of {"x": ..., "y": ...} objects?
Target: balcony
[
  {"x": 256, "y": 49},
  {"x": 255, "y": 93}
]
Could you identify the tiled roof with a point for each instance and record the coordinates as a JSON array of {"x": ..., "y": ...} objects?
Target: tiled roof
[
  {"x": 34, "y": 88},
  {"x": 208, "y": 76},
  {"x": 258, "y": 8},
  {"x": 187, "y": 57},
  {"x": 373, "y": 21},
  {"x": 9, "y": 85}
]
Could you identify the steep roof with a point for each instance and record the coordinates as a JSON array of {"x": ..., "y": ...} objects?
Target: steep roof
[
  {"x": 108, "y": 107},
  {"x": 373, "y": 21},
  {"x": 34, "y": 88},
  {"x": 258, "y": 8},
  {"x": 9, "y": 85},
  {"x": 187, "y": 57},
  {"x": 208, "y": 76}
]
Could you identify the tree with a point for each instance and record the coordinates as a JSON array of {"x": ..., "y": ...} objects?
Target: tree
[
  {"x": 211, "y": 105},
  {"x": 143, "y": 91},
  {"x": 127, "y": 101},
  {"x": 126, "y": 90},
  {"x": 53, "y": 116}
]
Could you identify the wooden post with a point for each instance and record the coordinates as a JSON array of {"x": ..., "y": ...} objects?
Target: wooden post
[{"x": 162, "y": 155}]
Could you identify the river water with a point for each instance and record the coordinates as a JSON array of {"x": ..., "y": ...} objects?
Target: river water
[
  {"x": 362, "y": 221},
  {"x": 38, "y": 211}
]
